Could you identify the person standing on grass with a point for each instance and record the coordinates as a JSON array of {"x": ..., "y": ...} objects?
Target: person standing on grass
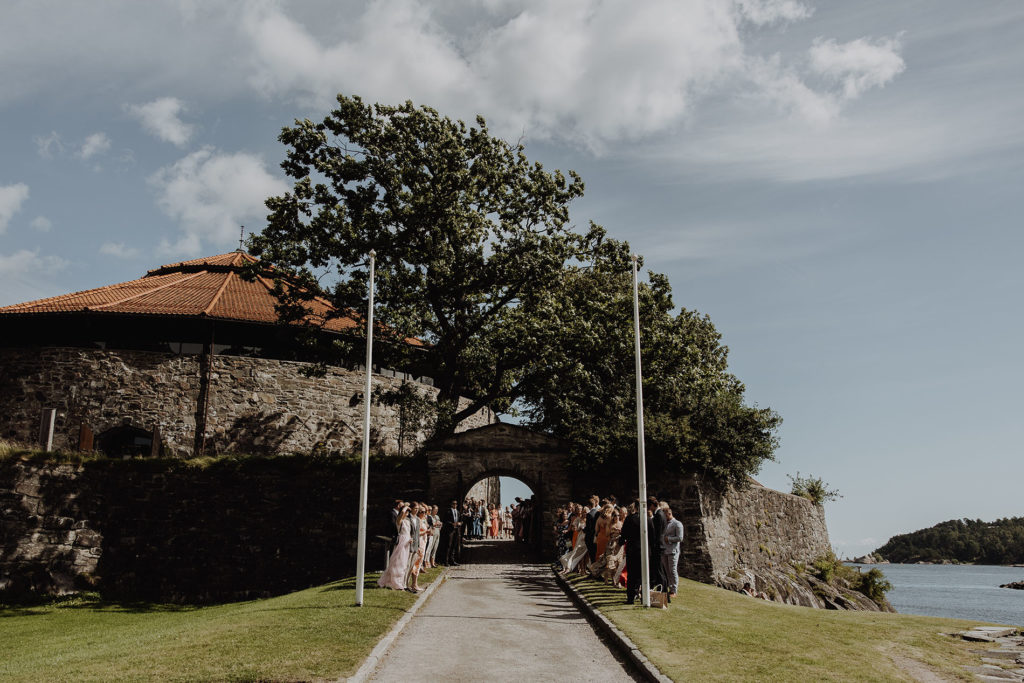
[
  {"x": 671, "y": 540},
  {"x": 656, "y": 510},
  {"x": 451, "y": 523},
  {"x": 634, "y": 553},
  {"x": 394, "y": 523},
  {"x": 590, "y": 528}
]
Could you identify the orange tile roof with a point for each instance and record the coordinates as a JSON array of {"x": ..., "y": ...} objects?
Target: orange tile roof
[{"x": 208, "y": 287}]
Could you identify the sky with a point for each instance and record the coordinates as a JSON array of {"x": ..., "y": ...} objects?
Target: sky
[{"x": 836, "y": 184}]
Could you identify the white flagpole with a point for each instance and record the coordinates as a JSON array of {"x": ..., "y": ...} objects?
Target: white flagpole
[
  {"x": 645, "y": 560},
  {"x": 364, "y": 472}
]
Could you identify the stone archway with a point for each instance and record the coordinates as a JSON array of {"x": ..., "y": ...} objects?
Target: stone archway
[{"x": 456, "y": 462}]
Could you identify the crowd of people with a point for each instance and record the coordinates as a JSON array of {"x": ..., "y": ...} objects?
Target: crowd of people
[
  {"x": 421, "y": 534},
  {"x": 602, "y": 538}
]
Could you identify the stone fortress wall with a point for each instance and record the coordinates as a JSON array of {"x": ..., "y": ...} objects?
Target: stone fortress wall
[
  {"x": 163, "y": 530},
  {"x": 256, "y": 405}
]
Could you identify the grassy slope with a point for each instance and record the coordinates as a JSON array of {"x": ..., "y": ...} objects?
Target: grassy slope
[
  {"x": 315, "y": 633},
  {"x": 709, "y": 634}
]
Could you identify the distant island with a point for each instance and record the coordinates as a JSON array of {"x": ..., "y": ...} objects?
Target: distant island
[{"x": 968, "y": 541}]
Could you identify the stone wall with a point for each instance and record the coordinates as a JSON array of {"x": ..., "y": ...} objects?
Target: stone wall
[
  {"x": 157, "y": 530},
  {"x": 539, "y": 461},
  {"x": 487, "y": 490},
  {"x": 256, "y": 405},
  {"x": 756, "y": 529}
]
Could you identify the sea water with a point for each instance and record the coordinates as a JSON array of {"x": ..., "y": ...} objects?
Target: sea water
[{"x": 958, "y": 591}]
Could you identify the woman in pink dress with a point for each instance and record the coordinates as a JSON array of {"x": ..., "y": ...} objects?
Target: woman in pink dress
[
  {"x": 419, "y": 547},
  {"x": 494, "y": 520},
  {"x": 398, "y": 565}
]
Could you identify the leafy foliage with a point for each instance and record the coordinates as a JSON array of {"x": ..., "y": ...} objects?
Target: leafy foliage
[
  {"x": 960, "y": 540},
  {"x": 468, "y": 235},
  {"x": 871, "y": 583},
  {"x": 694, "y": 411},
  {"x": 519, "y": 312},
  {"x": 417, "y": 412},
  {"x": 813, "y": 489}
]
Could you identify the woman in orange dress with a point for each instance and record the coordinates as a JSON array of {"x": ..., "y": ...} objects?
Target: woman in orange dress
[
  {"x": 494, "y": 520},
  {"x": 603, "y": 529}
]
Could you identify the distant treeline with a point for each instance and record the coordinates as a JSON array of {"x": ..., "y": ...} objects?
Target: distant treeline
[{"x": 963, "y": 540}]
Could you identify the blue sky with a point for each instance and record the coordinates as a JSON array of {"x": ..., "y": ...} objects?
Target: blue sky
[{"x": 836, "y": 184}]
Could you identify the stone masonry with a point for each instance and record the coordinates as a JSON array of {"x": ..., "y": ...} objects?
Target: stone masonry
[
  {"x": 256, "y": 405},
  {"x": 456, "y": 463}
]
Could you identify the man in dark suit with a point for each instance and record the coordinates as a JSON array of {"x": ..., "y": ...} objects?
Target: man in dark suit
[
  {"x": 659, "y": 520},
  {"x": 590, "y": 530},
  {"x": 451, "y": 522},
  {"x": 394, "y": 524},
  {"x": 634, "y": 553}
]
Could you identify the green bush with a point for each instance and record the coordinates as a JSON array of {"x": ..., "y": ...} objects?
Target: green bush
[
  {"x": 832, "y": 571},
  {"x": 874, "y": 585},
  {"x": 813, "y": 489}
]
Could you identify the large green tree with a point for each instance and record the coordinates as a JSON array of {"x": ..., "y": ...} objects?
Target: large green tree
[
  {"x": 476, "y": 258},
  {"x": 469, "y": 237},
  {"x": 695, "y": 414}
]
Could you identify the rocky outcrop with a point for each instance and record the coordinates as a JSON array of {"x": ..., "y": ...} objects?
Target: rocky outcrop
[
  {"x": 1019, "y": 585},
  {"x": 761, "y": 536},
  {"x": 796, "y": 588}
]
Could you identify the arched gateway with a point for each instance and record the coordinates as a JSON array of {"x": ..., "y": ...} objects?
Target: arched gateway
[{"x": 456, "y": 462}]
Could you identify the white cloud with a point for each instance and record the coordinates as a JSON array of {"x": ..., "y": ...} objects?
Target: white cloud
[
  {"x": 210, "y": 193},
  {"x": 787, "y": 91},
  {"x": 28, "y": 276},
  {"x": 49, "y": 145},
  {"x": 763, "y": 12},
  {"x": 29, "y": 262},
  {"x": 97, "y": 143},
  {"x": 11, "y": 199},
  {"x": 118, "y": 250},
  {"x": 587, "y": 70},
  {"x": 859, "y": 64},
  {"x": 396, "y": 51},
  {"x": 161, "y": 118},
  {"x": 42, "y": 224}
]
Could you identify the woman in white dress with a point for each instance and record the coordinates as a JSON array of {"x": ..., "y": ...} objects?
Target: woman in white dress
[
  {"x": 398, "y": 565},
  {"x": 579, "y": 549}
]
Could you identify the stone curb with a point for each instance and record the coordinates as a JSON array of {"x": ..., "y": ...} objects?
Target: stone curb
[
  {"x": 378, "y": 652},
  {"x": 619, "y": 639}
]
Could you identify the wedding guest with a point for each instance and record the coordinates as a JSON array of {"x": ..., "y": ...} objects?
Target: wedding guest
[
  {"x": 485, "y": 519},
  {"x": 655, "y": 509},
  {"x": 432, "y": 537},
  {"x": 398, "y": 564},
  {"x": 634, "y": 552},
  {"x": 437, "y": 526},
  {"x": 420, "y": 547},
  {"x": 671, "y": 539},
  {"x": 452, "y": 521},
  {"x": 394, "y": 522},
  {"x": 590, "y": 528}
]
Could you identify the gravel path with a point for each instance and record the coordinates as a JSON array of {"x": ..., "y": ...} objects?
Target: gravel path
[{"x": 499, "y": 617}]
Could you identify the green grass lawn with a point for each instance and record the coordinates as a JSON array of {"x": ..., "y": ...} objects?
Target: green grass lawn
[
  {"x": 315, "y": 633},
  {"x": 710, "y": 634}
]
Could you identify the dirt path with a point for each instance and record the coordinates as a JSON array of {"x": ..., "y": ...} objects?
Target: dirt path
[{"x": 499, "y": 617}]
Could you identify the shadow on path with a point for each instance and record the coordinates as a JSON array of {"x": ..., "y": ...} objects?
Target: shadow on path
[{"x": 500, "y": 616}]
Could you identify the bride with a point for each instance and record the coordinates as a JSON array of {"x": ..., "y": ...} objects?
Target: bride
[
  {"x": 398, "y": 565},
  {"x": 579, "y": 549}
]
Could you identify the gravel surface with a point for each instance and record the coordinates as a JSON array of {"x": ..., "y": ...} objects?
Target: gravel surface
[{"x": 499, "y": 617}]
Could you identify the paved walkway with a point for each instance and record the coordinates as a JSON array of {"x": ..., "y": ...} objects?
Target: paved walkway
[{"x": 499, "y": 617}]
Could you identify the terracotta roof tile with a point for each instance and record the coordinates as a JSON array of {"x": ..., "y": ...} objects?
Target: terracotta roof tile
[{"x": 209, "y": 287}]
